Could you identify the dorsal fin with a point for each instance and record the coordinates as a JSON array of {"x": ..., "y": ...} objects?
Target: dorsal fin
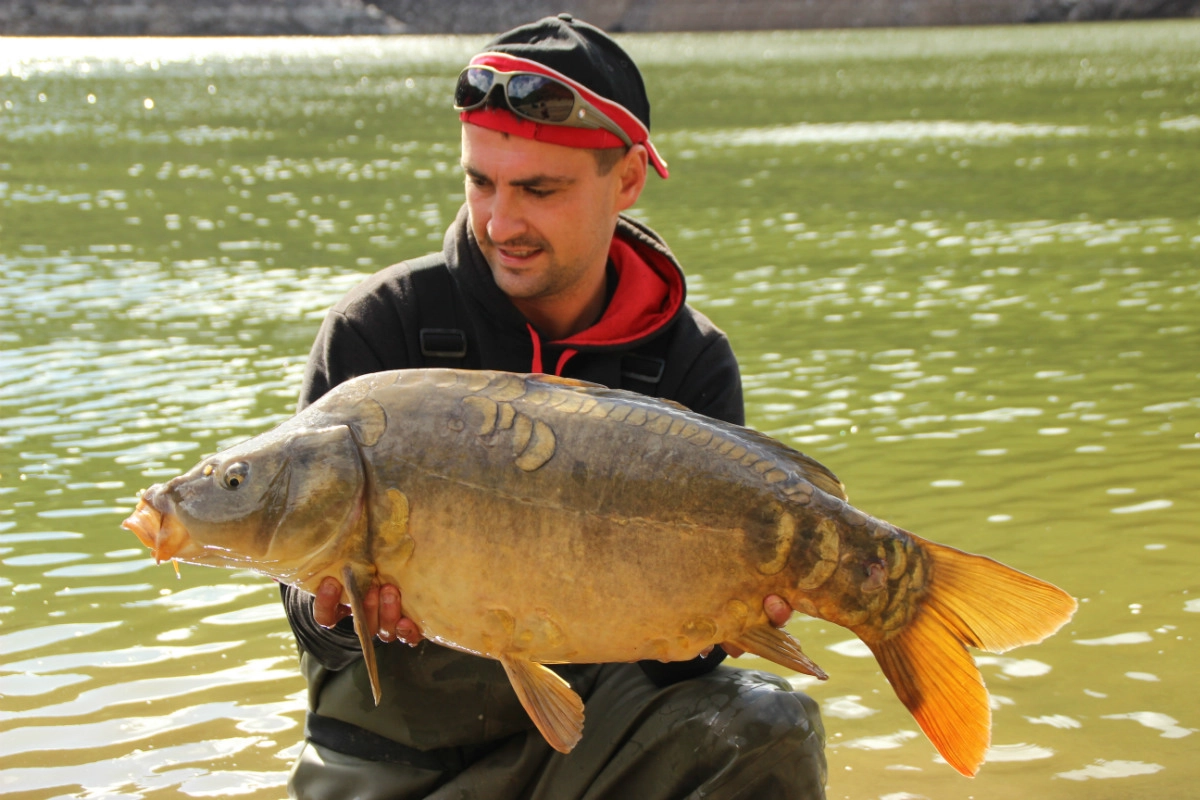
[
  {"x": 812, "y": 470},
  {"x": 809, "y": 468},
  {"x": 820, "y": 476},
  {"x": 558, "y": 380}
]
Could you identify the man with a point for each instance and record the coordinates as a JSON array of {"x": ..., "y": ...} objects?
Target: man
[{"x": 540, "y": 272}]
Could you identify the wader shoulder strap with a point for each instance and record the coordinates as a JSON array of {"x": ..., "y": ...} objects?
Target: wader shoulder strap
[
  {"x": 642, "y": 369},
  {"x": 442, "y": 337}
]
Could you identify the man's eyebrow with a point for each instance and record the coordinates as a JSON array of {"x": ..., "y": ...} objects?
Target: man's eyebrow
[
  {"x": 474, "y": 174},
  {"x": 540, "y": 180}
]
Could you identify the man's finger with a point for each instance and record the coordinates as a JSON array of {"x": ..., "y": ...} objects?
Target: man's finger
[
  {"x": 408, "y": 632},
  {"x": 778, "y": 610},
  {"x": 326, "y": 611},
  {"x": 389, "y": 612}
]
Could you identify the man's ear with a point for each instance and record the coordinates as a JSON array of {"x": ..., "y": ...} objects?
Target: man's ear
[{"x": 631, "y": 173}]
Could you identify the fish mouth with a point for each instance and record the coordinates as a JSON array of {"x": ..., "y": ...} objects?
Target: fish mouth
[{"x": 163, "y": 533}]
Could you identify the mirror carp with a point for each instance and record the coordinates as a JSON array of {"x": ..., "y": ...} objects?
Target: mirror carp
[{"x": 538, "y": 520}]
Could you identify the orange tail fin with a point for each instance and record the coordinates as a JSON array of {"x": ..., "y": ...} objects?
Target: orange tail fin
[{"x": 971, "y": 600}]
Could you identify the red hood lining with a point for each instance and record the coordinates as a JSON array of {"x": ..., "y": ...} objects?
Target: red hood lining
[{"x": 648, "y": 295}]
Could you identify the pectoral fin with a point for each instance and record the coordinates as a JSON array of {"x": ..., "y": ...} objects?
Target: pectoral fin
[
  {"x": 554, "y": 707},
  {"x": 356, "y": 584},
  {"x": 780, "y": 647}
]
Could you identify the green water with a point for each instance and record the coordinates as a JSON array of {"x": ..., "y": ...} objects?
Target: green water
[{"x": 959, "y": 266}]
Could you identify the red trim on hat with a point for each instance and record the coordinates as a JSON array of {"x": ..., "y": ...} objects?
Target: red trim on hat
[
  {"x": 623, "y": 117},
  {"x": 614, "y": 111},
  {"x": 501, "y": 119}
]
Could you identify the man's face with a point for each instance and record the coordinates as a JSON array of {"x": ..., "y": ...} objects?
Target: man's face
[{"x": 542, "y": 214}]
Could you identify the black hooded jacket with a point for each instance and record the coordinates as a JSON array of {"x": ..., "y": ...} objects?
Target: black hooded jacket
[
  {"x": 378, "y": 325},
  {"x": 446, "y": 310}
]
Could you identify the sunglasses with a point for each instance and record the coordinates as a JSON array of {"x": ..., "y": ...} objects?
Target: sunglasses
[{"x": 538, "y": 98}]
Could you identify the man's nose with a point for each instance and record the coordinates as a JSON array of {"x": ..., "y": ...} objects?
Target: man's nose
[{"x": 506, "y": 221}]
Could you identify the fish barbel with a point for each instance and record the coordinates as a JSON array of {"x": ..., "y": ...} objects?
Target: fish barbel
[{"x": 537, "y": 520}]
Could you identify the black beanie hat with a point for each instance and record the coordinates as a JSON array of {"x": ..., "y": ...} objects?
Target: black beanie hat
[{"x": 583, "y": 53}]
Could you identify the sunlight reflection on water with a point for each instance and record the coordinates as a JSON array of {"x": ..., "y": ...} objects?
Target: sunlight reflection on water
[{"x": 841, "y": 133}]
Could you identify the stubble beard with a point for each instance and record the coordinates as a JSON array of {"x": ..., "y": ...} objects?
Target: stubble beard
[{"x": 527, "y": 282}]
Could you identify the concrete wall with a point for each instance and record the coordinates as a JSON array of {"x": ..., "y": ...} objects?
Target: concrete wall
[
  {"x": 350, "y": 17},
  {"x": 706, "y": 15},
  {"x": 193, "y": 18}
]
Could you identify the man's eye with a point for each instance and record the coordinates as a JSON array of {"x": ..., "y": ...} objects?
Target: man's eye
[{"x": 538, "y": 192}]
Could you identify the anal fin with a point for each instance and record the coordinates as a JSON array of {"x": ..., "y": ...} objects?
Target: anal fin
[
  {"x": 780, "y": 647},
  {"x": 549, "y": 700},
  {"x": 356, "y": 583}
]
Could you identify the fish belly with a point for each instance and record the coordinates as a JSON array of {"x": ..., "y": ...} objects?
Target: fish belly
[{"x": 554, "y": 586}]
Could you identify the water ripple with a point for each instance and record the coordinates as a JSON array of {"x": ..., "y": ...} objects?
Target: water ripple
[
  {"x": 1103, "y": 770},
  {"x": 129, "y": 775},
  {"x": 140, "y": 691},
  {"x": 1168, "y": 727},
  {"x": 49, "y": 634},
  {"x": 1017, "y": 752},
  {"x": 138, "y": 655},
  {"x": 1133, "y": 637}
]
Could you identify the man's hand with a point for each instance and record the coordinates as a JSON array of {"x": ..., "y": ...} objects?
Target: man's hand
[
  {"x": 778, "y": 613},
  {"x": 384, "y": 617}
]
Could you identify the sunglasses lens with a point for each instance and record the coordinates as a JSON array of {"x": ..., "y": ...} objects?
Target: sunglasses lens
[
  {"x": 540, "y": 98},
  {"x": 473, "y": 87}
]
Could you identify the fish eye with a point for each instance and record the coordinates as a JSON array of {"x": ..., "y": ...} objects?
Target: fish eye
[{"x": 235, "y": 475}]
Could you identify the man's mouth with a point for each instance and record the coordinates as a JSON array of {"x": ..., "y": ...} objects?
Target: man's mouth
[
  {"x": 511, "y": 256},
  {"x": 517, "y": 251}
]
